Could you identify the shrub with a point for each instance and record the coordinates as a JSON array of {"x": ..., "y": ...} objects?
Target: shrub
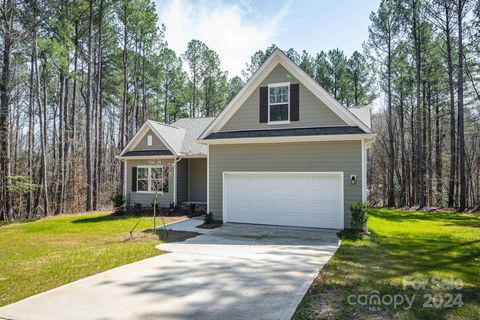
[
  {"x": 118, "y": 201},
  {"x": 359, "y": 216},
  {"x": 208, "y": 218}
]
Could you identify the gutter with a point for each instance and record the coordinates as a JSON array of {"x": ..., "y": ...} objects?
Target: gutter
[{"x": 289, "y": 139}]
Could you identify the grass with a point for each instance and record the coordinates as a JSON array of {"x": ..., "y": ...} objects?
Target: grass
[
  {"x": 41, "y": 255},
  {"x": 402, "y": 244}
]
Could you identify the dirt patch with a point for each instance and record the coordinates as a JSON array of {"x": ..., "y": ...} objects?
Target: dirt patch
[
  {"x": 213, "y": 225},
  {"x": 174, "y": 236}
]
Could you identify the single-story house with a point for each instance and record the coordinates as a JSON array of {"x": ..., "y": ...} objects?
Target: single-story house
[{"x": 282, "y": 152}]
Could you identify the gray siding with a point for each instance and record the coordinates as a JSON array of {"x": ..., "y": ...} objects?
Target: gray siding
[
  {"x": 146, "y": 199},
  {"x": 339, "y": 156},
  {"x": 182, "y": 180},
  {"x": 156, "y": 143},
  {"x": 198, "y": 179},
  {"x": 313, "y": 112}
]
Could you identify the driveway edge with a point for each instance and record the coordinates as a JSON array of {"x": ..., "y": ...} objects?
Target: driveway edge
[{"x": 292, "y": 307}]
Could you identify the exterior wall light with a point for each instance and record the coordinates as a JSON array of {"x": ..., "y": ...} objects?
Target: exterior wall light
[{"x": 353, "y": 179}]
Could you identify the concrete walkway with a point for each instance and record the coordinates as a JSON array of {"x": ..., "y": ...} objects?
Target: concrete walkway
[
  {"x": 233, "y": 272},
  {"x": 189, "y": 225}
]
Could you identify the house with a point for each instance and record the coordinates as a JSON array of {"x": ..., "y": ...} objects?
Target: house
[{"x": 282, "y": 152}]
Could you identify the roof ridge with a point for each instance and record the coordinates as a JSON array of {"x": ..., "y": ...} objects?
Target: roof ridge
[{"x": 165, "y": 124}]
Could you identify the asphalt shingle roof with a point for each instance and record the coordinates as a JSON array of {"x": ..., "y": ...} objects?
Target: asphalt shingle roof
[
  {"x": 181, "y": 136},
  {"x": 319, "y": 131},
  {"x": 148, "y": 153}
]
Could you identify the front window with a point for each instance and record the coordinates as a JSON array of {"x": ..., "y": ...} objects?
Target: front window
[
  {"x": 279, "y": 103},
  {"x": 156, "y": 179},
  {"x": 150, "y": 179},
  {"x": 142, "y": 179}
]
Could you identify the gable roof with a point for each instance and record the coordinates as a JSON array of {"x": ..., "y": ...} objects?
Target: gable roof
[
  {"x": 179, "y": 137},
  {"x": 279, "y": 57},
  {"x": 363, "y": 113},
  {"x": 172, "y": 134},
  {"x": 193, "y": 128}
]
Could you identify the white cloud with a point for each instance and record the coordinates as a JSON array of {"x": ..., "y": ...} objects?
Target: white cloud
[{"x": 234, "y": 31}]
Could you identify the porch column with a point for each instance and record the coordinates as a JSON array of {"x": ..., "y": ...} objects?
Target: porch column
[{"x": 175, "y": 182}]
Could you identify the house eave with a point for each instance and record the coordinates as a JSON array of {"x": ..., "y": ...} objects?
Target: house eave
[
  {"x": 193, "y": 156},
  {"x": 340, "y": 137},
  {"x": 153, "y": 157}
]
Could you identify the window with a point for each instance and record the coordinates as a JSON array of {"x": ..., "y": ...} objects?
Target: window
[
  {"x": 151, "y": 178},
  {"x": 149, "y": 140},
  {"x": 279, "y": 103},
  {"x": 142, "y": 179},
  {"x": 156, "y": 179}
]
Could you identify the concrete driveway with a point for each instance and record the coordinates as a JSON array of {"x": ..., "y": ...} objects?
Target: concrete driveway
[{"x": 237, "y": 271}]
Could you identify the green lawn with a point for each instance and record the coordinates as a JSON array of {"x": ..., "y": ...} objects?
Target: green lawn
[
  {"x": 41, "y": 255},
  {"x": 402, "y": 244}
]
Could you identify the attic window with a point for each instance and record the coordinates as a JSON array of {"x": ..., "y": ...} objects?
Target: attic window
[
  {"x": 279, "y": 103},
  {"x": 149, "y": 140}
]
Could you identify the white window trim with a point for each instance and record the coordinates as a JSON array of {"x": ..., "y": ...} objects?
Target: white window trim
[
  {"x": 275, "y": 85},
  {"x": 149, "y": 178},
  {"x": 149, "y": 140}
]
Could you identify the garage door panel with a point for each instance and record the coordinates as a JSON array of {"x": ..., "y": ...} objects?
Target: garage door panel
[{"x": 296, "y": 199}]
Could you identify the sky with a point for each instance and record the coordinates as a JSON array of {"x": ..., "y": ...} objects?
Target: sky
[{"x": 236, "y": 29}]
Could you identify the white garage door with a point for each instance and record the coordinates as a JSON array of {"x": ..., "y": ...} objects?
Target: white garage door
[{"x": 281, "y": 198}]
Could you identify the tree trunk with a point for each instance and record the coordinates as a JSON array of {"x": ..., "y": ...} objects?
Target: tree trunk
[
  {"x": 123, "y": 127},
  {"x": 438, "y": 154},
  {"x": 419, "y": 152},
  {"x": 461, "y": 130},
  {"x": 99, "y": 91},
  {"x": 61, "y": 134},
  {"x": 402, "y": 151},
  {"x": 8, "y": 12},
  {"x": 42, "y": 116},
  {"x": 453, "y": 148},
  {"x": 73, "y": 126},
  {"x": 391, "y": 148},
  {"x": 31, "y": 136},
  {"x": 88, "y": 108}
]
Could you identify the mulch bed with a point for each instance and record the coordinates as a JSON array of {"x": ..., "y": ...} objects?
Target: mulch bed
[
  {"x": 351, "y": 234},
  {"x": 213, "y": 225},
  {"x": 174, "y": 236}
]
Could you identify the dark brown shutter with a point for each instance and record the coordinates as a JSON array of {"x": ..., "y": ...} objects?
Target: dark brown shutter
[
  {"x": 294, "y": 102},
  {"x": 134, "y": 179},
  {"x": 263, "y": 104}
]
